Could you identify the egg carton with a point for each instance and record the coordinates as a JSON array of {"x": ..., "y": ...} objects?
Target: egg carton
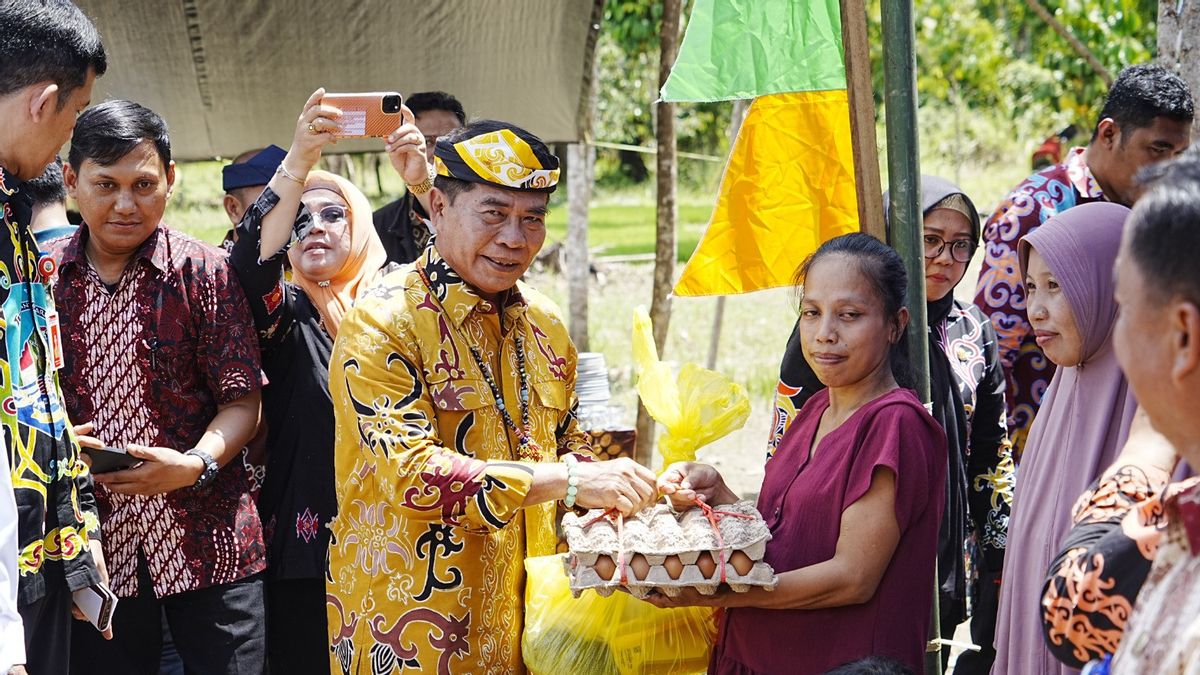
[{"x": 666, "y": 551}]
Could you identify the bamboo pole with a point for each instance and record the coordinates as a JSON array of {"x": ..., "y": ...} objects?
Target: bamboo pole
[
  {"x": 664, "y": 249},
  {"x": 904, "y": 178}
]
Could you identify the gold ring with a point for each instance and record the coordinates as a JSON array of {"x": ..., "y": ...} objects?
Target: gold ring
[{"x": 312, "y": 127}]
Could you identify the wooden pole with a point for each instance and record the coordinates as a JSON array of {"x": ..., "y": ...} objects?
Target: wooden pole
[
  {"x": 862, "y": 118},
  {"x": 1179, "y": 43},
  {"x": 714, "y": 342},
  {"x": 579, "y": 193},
  {"x": 664, "y": 249}
]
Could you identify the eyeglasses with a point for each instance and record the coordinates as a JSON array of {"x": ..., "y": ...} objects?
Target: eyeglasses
[
  {"x": 332, "y": 214},
  {"x": 960, "y": 249}
]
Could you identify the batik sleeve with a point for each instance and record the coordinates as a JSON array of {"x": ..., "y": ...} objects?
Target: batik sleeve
[
  {"x": 1092, "y": 584},
  {"x": 381, "y": 399},
  {"x": 262, "y": 279},
  {"x": 572, "y": 439},
  {"x": 990, "y": 465}
]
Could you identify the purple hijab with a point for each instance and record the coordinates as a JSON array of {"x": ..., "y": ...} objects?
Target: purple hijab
[{"x": 1081, "y": 426}]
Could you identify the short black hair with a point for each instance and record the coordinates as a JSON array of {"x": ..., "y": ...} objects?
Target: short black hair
[
  {"x": 47, "y": 40},
  {"x": 1163, "y": 232},
  {"x": 47, "y": 188},
  {"x": 425, "y": 101},
  {"x": 1144, "y": 92},
  {"x": 872, "y": 665},
  {"x": 107, "y": 132}
]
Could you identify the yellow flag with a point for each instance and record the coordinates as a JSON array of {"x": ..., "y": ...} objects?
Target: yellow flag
[{"x": 788, "y": 187}]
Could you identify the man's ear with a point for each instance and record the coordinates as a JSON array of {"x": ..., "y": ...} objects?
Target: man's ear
[
  {"x": 233, "y": 209},
  {"x": 1108, "y": 133},
  {"x": 70, "y": 179},
  {"x": 438, "y": 202},
  {"x": 1185, "y": 325},
  {"x": 170, "y": 178},
  {"x": 43, "y": 101}
]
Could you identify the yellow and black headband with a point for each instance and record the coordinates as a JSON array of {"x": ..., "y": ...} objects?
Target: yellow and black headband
[{"x": 504, "y": 157}]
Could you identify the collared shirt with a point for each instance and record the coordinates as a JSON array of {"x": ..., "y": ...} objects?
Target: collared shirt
[
  {"x": 149, "y": 362},
  {"x": 1000, "y": 292},
  {"x": 1098, "y": 576},
  {"x": 52, "y": 487},
  {"x": 1164, "y": 632},
  {"x": 426, "y": 561}
]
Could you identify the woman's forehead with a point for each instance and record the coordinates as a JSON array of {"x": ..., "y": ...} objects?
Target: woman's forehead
[{"x": 319, "y": 197}]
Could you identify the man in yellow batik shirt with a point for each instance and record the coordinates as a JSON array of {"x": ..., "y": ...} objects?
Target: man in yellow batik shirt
[{"x": 453, "y": 390}]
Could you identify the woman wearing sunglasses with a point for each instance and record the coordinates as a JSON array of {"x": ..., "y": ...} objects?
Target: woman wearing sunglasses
[{"x": 322, "y": 224}]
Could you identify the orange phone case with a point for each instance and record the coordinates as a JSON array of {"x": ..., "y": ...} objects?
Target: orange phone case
[{"x": 363, "y": 115}]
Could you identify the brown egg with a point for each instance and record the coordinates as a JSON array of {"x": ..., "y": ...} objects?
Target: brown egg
[
  {"x": 706, "y": 565},
  {"x": 741, "y": 562},
  {"x": 673, "y": 566},
  {"x": 605, "y": 567},
  {"x": 640, "y": 566}
]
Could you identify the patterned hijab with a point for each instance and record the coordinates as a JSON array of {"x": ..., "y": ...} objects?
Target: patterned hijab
[{"x": 361, "y": 268}]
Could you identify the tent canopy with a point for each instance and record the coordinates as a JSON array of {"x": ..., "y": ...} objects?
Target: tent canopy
[{"x": 230, "y": 75}]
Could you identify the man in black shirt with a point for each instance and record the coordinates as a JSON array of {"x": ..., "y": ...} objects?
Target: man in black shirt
[{"x": 403, "y": 225}]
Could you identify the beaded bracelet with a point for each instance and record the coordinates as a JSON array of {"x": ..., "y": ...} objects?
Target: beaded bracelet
[{"x": 572, "y": 463}]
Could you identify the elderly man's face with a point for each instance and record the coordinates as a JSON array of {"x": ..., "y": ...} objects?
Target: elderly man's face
[
  {"x": 123, "y": 203},
  {"x": 490, "y": 235},
  {"x": 1142, "y": 341}
]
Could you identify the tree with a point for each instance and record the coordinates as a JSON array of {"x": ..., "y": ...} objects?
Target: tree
[{"x": 1179, "y": 43}]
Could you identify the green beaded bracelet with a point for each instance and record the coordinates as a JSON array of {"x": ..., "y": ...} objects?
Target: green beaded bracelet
[{"x": 572, "y": 463}]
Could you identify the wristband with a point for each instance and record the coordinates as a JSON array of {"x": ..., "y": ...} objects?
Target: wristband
[
  {"x": 288, "y": 174},
  {"x": 572, "y": 463}
]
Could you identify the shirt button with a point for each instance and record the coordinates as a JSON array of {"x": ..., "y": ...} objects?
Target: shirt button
[{"x": 776, "y": 512}]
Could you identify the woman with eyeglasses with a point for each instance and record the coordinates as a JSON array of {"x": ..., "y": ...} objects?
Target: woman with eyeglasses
[
  {"x": 322, "y": 224},
  {"x": 967, "y": 388}
]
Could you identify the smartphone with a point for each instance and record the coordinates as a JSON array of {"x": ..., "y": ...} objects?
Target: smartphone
[
  {"x": 371, "y": 115},
  {"x": 98, "y": 604},
  {"x": 110, "y": 459}
]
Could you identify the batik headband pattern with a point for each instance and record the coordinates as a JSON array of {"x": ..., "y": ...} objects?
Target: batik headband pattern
[{"x": 500, "y": 158}]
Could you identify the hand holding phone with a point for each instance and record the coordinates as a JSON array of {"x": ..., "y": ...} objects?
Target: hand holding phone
[
  {"x": 369, "y": 115},
  {"x": 108, "y": 459}
]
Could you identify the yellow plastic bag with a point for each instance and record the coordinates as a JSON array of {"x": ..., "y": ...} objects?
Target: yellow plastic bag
[
  {"x": 593, "y": 635},
  {"x": 696, "y": 409}
]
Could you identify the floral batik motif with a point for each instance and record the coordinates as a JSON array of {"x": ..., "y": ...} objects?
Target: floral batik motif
[{"x": 426, "y": 563}]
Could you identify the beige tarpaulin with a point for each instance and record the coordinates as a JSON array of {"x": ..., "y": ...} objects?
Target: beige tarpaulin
[{"x": 229, "y": 75}]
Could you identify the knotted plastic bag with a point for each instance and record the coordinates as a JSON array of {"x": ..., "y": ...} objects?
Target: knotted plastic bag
[
  {"x": 696, "y": 408},
  {"x": 593, "y": 635}
]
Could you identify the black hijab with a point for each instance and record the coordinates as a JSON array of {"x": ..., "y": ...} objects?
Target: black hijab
[{"x": 944, "y": 391}]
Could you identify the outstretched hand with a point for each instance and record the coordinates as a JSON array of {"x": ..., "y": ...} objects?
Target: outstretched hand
[
  {"x": 686, "y": 482},
  {"x": 620, "y": 484}
]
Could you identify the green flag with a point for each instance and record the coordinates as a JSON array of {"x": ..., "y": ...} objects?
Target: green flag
[{"x": 746, "y": 48}]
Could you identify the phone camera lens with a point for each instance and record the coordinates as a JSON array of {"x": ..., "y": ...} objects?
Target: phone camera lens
[{"x": 391, "y": 104}]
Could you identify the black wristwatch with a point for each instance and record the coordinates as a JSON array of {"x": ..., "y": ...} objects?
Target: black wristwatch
[{"x": 210, "y": 468}]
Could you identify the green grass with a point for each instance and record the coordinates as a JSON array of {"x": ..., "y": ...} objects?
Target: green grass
[{"x": 628, "y": 229}]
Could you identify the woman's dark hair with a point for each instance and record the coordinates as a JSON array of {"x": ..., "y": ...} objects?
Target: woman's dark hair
[
  {"x": 882, "y": 266},
  {"x": 47, "y": 40},
  {"x": 872, "y": 665},
  {"x": 107, "y": 132}
]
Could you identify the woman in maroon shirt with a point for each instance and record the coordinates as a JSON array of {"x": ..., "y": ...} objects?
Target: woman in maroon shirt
[{"x": 853, "y": 495}]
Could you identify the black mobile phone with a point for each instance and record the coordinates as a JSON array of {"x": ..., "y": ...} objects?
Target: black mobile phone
[{"x": 108, "y": 459}]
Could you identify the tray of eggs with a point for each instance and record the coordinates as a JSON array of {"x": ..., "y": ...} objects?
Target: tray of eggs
[{"x": 666, "y": 551}]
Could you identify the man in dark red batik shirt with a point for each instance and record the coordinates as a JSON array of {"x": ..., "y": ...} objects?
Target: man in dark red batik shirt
[{"x": 161, "y": 359}]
